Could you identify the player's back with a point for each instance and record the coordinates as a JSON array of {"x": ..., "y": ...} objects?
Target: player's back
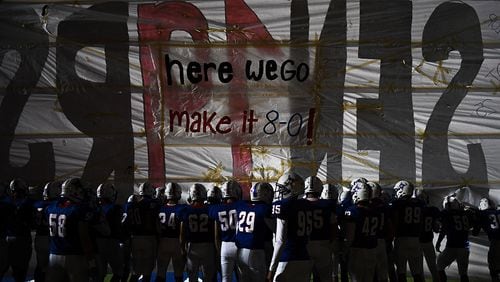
[
  {"x": 299, "y": 227},
  {"x": 490, "y": 222},
  {"x": 430, "y": 215},
  {"x": 169, "y": 216},
  {"x": 383, "y": 211},
  {"x": 252, "y": 229},
  {"x": 113, "y": 214},
  {"x": 225, "y": 216},
  {"x": 366, "y": 222},
  {"x": 456, "y": 224},
  {"x": 22, "y": 220},
  {"x": 199, "y": 226},
  {"x": 142, "y": 217},
  {"x": 6, "y": 215},
  {"x": 322, "y": 213},
  {"x": 407, "y": 217},
  {"x": 64, "y": 218},
  {"x": 41, "y": 224}
]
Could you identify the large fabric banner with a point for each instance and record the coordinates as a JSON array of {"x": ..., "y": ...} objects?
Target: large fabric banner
[{"x": 204, "y": 91}]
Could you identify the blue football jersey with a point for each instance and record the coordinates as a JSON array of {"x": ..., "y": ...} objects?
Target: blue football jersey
[
  {"x": 64, "y": 218},
  {"x": 252, "y": 231},
  {"x": 170, "y": 220},
  {"x": 384, "y": 213},
  {"x": 299, "y": 227},
  {"x": 6, "y": 215},
  {"x": 113, "y": 215},
  {"x": 41, "y": 224},
  {"x": 430, "y": 216},
  {"x": 367, "y": 225},
  {"x": 225, "y": 216},
  {"x": 198, "y": 226},
  {"x": 456, "y": 225},
  {"x": 22, "y": 220},
  {"x": 490, "y": 223},
  {"x": 322, "y": 215},
  {"x": 407, "y": 217},
  {"x": 141, "y": 217}
]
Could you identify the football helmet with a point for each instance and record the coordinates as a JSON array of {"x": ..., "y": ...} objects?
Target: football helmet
[
  {"x": 197, "y": 192},
  {"x": 107, "y": 191},
  {"x": 358, "y": 185},
  {"x": 376, "y": 189},
  {"x": 261, "y": 191},
  {"x": 363, "y": 193},
  {"x": 313, "y": 185},
  {"x": 35, "y": 193},
  {"x": 18, "y": 187},
  {"x": 463, "y": 194},
  {"x": 404, "y": 189},
  {"x": 74, "y": 190},
  {"x": 132, "y": 199},
  {"x": 451, "y": 203},
  {"x": 146, "y": 189},
  {"x": 159, "y": 193},
  {"x": 214, "y": 195},
  {"x": 359, "y": 179},
  {"x": 330, "y": 191},
  {"x": 231, "y": 189},
  {"x": 486, "y": 204},
  {"x": 51, "y": 190},
  {"x": 422, "y": 195},
  {"x": 289, "y": 184},
  {"x": 173, "y": 191},
  {"x": 345, "y": 195}
]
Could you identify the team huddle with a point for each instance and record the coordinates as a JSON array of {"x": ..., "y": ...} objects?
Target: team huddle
[{"x": 294, "y": 230}]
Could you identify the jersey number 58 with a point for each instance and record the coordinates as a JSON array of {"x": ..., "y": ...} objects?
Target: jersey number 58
[{"x": 57, "y": 224}]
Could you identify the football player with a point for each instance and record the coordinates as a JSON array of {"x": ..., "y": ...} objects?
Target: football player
[
  {"x": 290, "y": 261},
  {"x": 225, "y": 231},
  {"x": 214, "y": 198},
  {"x": 361, "y": 224},
  {"x": 71, "y": 249},
  {"x": 141, "y": 219},
  {"x": 6, "y": 214},
  {"x": 489, "y": 217},
  {"x": 253, "y": 231},
  {"x": 108, "y": 245},
  {"x": 169, "y": 248},
  {"x": 384, "y": 231},
  {"x": 331, "y": 193},
  {"x": 19, "y": 230},
  {"x": 456, "y": 223},
  {"x": 323, "y": 229},
  {"x": 50, "y": 193},
  {"x": 197, "y": 235},
  {"x": 407, "y": 217},
  {"x": 345, "y": 202},
  {"x": 430, "y": 225},
  {"x": 126, "y": 252}
]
